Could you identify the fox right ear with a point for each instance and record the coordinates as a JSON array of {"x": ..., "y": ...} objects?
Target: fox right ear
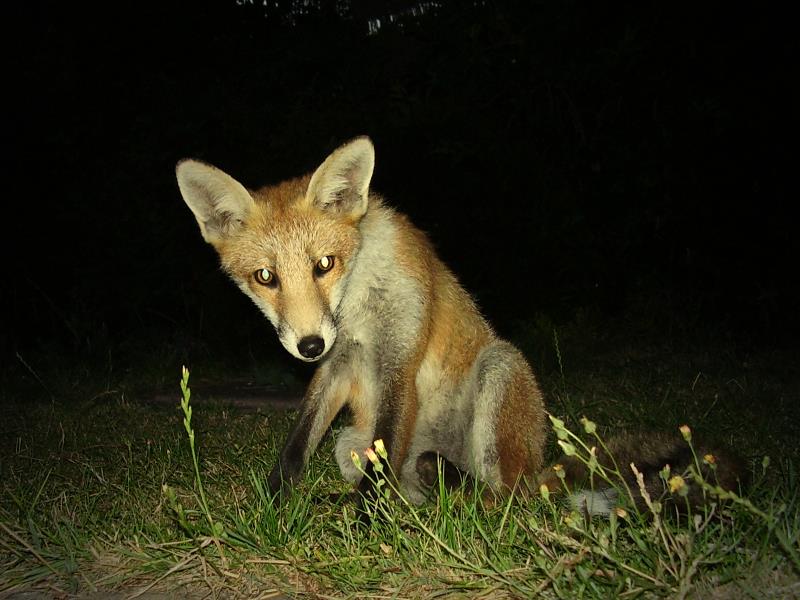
[
  {"x": 341, "y": 183},
  {"x": 219, "y": 202}
]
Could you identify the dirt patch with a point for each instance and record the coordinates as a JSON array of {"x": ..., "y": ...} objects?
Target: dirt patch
[{"x": 762, "y": 582}]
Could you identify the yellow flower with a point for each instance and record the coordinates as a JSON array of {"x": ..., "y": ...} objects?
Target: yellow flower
[
  {"x": 373, "y": 458},
  {"x": 676, "y": 484},
  {"x": 356, "y": 459},
  {"x": 381, "y": 450},
  {"x": 545, "y": 492}
]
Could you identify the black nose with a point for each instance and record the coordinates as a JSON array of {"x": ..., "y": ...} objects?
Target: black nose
[{"x": 311, "y": 346}]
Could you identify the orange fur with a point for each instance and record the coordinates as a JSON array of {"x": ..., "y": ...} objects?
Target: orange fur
[{"x": 396, "y": 336}]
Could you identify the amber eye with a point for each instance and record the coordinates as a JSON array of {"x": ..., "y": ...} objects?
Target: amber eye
[
  {"x": 324, "y": 265},
  {"x": 265, "y": 277}
]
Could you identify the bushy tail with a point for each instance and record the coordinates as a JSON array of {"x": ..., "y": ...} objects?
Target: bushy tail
[{"x": 595, "y": 479}]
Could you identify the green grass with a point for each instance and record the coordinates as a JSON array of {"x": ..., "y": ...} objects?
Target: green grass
[{"x": 113, "y": 494}]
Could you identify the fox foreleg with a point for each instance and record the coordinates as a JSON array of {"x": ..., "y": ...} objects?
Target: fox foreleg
[
  {"x": 321, "y": 403},
  {"x": 394, "y": 424}
]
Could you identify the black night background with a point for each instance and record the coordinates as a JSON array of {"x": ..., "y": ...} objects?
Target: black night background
[
  {"x": 600, "y": 176},
  {"x": 563, "y": 157}
]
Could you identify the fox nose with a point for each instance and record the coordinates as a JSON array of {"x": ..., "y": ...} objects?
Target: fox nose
[{"x": 311, "y": 346}]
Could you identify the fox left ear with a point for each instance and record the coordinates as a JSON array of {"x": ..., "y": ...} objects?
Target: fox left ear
[
  {"x": 341, "y": 183},
  {"x": 219, "y": 202}
]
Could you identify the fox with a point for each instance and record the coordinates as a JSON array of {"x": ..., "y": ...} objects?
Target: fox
[{"x": 350, "y": 284}]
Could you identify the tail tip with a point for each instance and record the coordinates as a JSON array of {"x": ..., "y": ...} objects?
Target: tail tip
[{"x": 600, "y": 502}]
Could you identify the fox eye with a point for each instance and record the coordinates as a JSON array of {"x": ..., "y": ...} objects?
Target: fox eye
[
  {"x": 324, "y": 265},
  {"x": 265, "y": 277}
]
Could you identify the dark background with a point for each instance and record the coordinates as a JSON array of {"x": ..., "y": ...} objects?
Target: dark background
[{"x": 626, "y": 160}]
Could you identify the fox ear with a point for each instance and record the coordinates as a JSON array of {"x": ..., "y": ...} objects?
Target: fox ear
[
  {"x": 341, "y": 183},
  {"x": 219, "y": 202}
]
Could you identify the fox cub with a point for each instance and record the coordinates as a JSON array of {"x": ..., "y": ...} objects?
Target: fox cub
[{"x": 352, "y": 285}]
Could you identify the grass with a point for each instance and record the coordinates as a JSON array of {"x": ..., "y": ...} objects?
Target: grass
[{"x": 114, "y": 494}]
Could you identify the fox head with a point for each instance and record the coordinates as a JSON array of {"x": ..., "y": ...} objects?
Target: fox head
[{"x": 289, "y": 247}]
